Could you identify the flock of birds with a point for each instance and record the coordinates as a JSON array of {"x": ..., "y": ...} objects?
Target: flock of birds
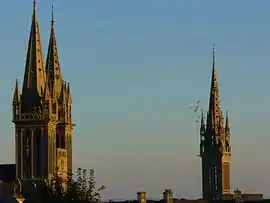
[{"x": 195, "y": 109}]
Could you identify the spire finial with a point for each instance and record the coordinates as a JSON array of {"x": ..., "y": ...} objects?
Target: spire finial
[
  {"x": 214, "y": 51},
  {"x": 34, "y": 3},
  {"x": 52, "y": 15}
]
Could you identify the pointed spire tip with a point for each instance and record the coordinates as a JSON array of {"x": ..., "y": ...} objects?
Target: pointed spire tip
[
  {"x": 214, "y": 56},
  {"x": 16, "y": 83},
  {"x": 16, "y": 93},
  {"x": 52, "y": 15},
  {"x": 214, "y": 51},
  {"x": 214, "y": 48}
]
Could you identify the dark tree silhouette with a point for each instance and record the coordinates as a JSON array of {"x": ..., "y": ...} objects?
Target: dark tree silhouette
[
  {"x": 71, "y": 187},
  {"x": 82, "y": 187},
  {"x": 86, "y": 186}
]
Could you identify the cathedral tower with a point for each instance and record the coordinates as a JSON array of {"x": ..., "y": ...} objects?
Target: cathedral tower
[
  {"x": 42, "y": 112},
  {"x": 215, "y": 147}
]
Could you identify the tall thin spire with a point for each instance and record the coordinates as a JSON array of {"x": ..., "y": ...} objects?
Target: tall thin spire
[
  {"x": 34, "y": 75},
  {"x": 52, "y": 62},
  {"x": 214, "y": 101},
  {"x": 216, "y": 146}
]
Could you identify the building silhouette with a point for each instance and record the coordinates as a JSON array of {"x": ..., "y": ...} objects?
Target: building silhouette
[
  {"x": 215, "y": 146},
  {"x": 42, "y": 112}
]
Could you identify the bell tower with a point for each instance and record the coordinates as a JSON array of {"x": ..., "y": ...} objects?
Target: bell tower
[
  {"x": 226, "y": 158},
  {"x": 42, "y": 112},
  {"x": 215, "y": 146}
]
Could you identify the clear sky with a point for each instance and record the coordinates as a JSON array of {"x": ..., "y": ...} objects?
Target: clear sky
[{"x": 134, "y": 67}]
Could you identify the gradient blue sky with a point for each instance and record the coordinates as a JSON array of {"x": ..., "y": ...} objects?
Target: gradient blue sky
[{"x": 135, "y": 66}]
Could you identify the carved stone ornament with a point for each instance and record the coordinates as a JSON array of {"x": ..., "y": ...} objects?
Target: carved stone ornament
[
  {"x": 17, "y": 110},
  {"x": 31, "y": 116},
  {"x": 46, "y": 111}
]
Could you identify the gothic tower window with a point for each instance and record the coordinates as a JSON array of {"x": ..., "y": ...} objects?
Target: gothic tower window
[
  {"x": 58, "y": 140},
  {"x": 54, "y": 108},
  {"x": 63, "y": 142},
  {"x": 59, "y": 111}
]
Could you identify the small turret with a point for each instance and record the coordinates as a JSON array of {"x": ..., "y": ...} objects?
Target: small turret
[
  {"x": 47, "y": 93},
  {"x": 69, "y": 99},
  {"x": 47, "y": 101},
  {"x": 168, "y": 196},
  {"x": 69, "y": 96},
  {"x": 141, "y": 197},
  {"x": 227, "y": 134},
  {"x": 202, "y": 122},
  {"x": 16, "y": 101},
  {"x": 63, "y": 93},
  {"x": 227, "y": 125},
  {"x": 63, "y": 103},
  {"x": 202, "y": 133},
  {"x": 16, "y": 94}
]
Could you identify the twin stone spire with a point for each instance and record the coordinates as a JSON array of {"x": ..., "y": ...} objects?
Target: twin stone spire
[{"x": 41, "y": 81}]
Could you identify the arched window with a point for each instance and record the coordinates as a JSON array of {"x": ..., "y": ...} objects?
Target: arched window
[
  {"x": 58, "y": 140},
  {"x": 63, "y": 142},
  {"x": 54, "y": 108}
]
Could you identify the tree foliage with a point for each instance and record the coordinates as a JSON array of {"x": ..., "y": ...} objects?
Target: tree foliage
[{"x": 81, "y": 187}]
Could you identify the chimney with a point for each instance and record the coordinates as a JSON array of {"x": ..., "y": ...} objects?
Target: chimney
[
  {"x": 168, "y": 196},
  {"x": 141, "y": 197}
]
